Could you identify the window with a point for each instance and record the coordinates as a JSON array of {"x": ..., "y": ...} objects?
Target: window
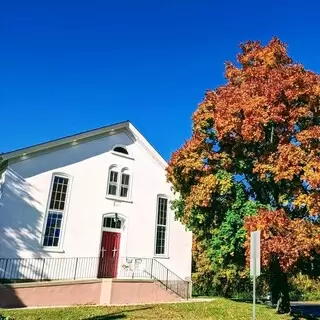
[
  {"x": 112, "y": 222},
  {"x": 119, "y": 183},
  {"x": 161, "y": 226},
  {"x": 125, "y": 178},
  {"x": 121, "y": 150},
  {"x": 113, "y": 182},
  {"x": 56, "y": 211}
]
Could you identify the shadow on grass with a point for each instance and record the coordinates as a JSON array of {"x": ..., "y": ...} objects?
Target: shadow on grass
[
  {"x": 117, "y": 315},
  {"x": 108, "y": 317}
]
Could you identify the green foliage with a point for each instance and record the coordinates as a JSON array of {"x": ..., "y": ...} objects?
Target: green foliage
[
  {"x": 229, "y": 282},
  {"x": 227, "y": 243},
  {"x": 303, "y": 287},
  {"x": 5, "y": 317},
  {"x": 221, "y": 269}
]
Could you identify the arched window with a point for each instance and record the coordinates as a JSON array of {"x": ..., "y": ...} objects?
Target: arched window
[
  {"x": 113, "y": 181},
  {"x": 125, "y": 182},
  {"x": 119, "y": 182},
  {"x": 121, "y": 149}
]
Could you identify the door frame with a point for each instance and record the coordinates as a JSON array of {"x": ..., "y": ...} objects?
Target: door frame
[{"x": 122, "y": 232}]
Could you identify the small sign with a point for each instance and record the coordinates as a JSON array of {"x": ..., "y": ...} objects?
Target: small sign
[{"x": 255, "y": 256}]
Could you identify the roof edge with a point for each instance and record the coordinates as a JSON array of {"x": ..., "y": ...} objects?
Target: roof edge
[
  {"x": 65, "y": 140},
  {"x": 78, "y": 137},
  {"x": 156, "y": 155}
]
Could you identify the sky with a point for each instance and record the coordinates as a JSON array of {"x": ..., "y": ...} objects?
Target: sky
[{"x": 70, "y": 66}]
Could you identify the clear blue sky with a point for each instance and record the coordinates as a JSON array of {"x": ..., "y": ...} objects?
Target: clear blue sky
[{"x": 68, "y": 66}]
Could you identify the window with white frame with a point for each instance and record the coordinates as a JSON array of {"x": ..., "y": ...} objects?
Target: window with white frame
[
  {"x": 113, "y": 181},
  {"x": 124, "y": 186},
  {"x": 161, "y": 226},
  {"x": 119, "y": 182},
  {"x": 56, "y": 210}
]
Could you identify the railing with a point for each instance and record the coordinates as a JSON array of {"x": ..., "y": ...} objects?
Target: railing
[
  {"x": 41, "y": 269},
  {"x": 149, "y": 268},
  {"x": 46, "y": 269}
]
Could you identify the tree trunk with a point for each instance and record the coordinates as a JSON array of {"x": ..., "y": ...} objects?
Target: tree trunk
[{"x": 279, "y": 288}]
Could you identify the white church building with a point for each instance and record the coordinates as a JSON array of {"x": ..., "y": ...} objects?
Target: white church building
[{"x": 94, "y": 204}]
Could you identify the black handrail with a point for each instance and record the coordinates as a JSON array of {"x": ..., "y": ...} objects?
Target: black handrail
[{"x": 150, "y": 268}]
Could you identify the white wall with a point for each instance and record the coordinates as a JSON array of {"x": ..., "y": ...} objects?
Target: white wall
[{"x": 26, "y": 190}]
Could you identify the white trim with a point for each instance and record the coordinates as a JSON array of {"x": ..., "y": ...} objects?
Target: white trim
[
  {"x": 118, "y": 154},
  {"x": 147, "y": 146},
  {"x": 115, "y": 230},
  {"x": 59, "y": 248},
  {"x": 53, "y": 249},
  {"x": 165, "y": 255},
  {"x": 116, "y": 199}
]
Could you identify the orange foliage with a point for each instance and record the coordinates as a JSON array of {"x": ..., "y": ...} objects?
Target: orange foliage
[
  {"x": 266, "y": 123},
  {"x": 287, "y": 239},
  {"x": 268, "y": 100}
]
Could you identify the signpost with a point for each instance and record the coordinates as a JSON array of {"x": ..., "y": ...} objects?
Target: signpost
[{"x": 255, "y": 265}]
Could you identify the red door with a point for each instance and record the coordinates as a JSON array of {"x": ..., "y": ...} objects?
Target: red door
[{"x": 109, "y": 255}]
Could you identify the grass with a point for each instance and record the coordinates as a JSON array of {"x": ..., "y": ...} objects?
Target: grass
[{"x": 220, "y": 309}]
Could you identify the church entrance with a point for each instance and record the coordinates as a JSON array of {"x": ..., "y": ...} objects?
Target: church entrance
[
  {"x": 109, "y": 254},
  {"x": 110, "y": 247}
]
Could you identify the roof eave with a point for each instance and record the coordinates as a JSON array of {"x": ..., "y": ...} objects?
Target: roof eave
[{"x": 61, "y": 142}]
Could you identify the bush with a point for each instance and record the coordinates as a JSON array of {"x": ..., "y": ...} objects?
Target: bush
[
  {"x": 232, "y": 283},
  {"x": 227, "y": 282},
  {"x": 303, "y": 287}
]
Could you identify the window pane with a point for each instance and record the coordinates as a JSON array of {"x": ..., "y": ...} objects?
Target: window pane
[
  {"x": 50, "y": 241},
  {"x": 124, "y": 192},
  {"x": 162, "y": 211},
  {"x": 113, "y": 176},
  {"x": 52, "y": 234},
  {"x": 160, "y": 240},
  {"x": 125, "y": 179},
  {"x": 58, "y": 193},
  {"x": 112, "y": 189},
  {"x": 161, "y": 225}
]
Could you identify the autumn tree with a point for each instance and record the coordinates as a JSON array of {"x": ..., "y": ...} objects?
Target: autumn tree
[{"x": 258, "y": 135}]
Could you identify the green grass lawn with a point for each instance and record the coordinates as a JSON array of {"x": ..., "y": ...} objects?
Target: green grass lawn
[{"x": 220, "y": 309}]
